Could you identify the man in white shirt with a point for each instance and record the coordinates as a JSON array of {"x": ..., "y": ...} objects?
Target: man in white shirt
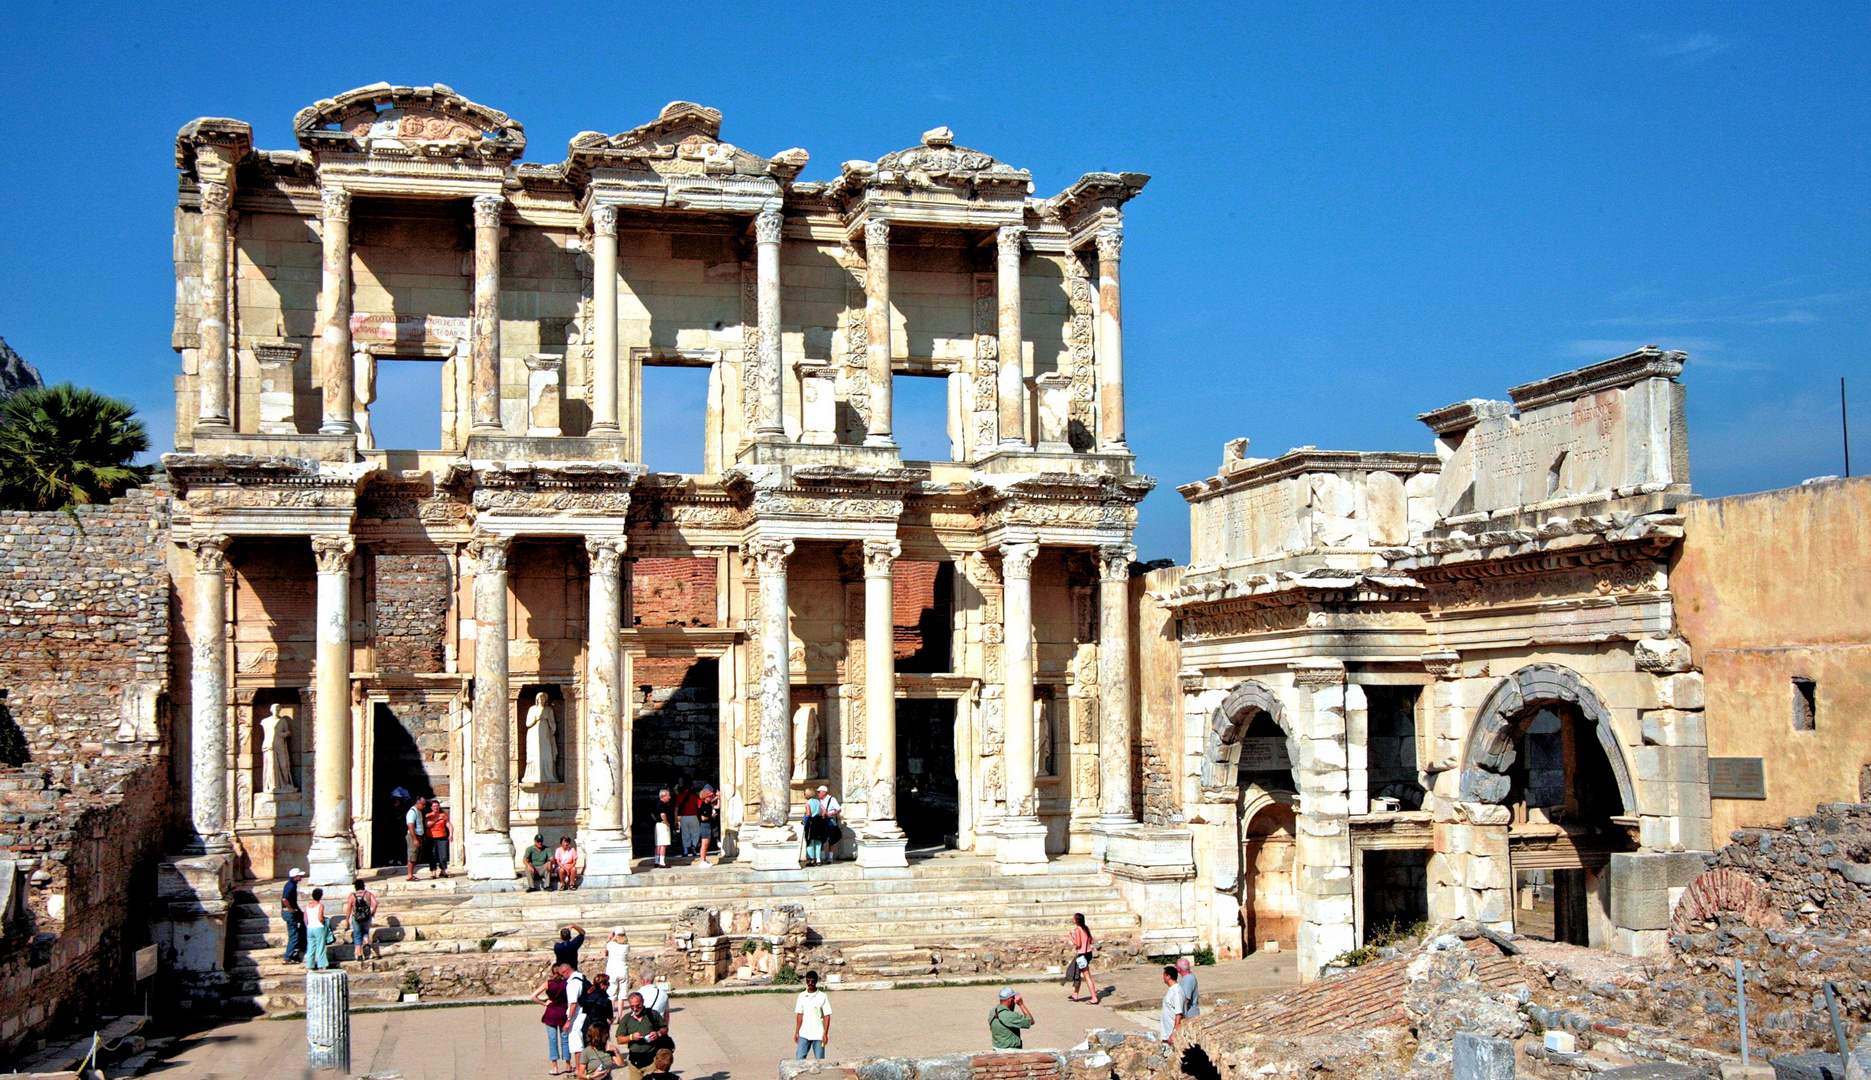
[
  {"x": 812, "y": 1019},
  {"x": 1173, "y": 1003},
  {"x": 655, "y": 998}
]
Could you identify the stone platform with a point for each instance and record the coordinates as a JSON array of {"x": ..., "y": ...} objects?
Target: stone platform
[{"x": 945, "y": 915}]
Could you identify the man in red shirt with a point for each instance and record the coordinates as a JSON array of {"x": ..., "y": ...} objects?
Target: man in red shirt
[{"x": 689, "y": 813}]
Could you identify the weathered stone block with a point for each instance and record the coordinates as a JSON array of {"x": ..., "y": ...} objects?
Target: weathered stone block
[
  {"x": 1683, "y": 690},
  {"x": 1478, "y": 1057},
  {"x": 1673, "y": 727}
]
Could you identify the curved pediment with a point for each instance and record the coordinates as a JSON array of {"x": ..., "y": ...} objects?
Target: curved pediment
[
  {"x": 683, "y": 141},
  {"x": 935, "y": 164},
  {"x": 431, "y": 120}
]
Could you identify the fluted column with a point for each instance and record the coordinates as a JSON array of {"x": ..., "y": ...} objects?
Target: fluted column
[
  {"x": 604, "y": 320},
  {"x": 776, "y": 847},
  {"x": 1110, "y": 345},
  {"x": 490, "y": 845},
  {"x": 767, "y": 225},
  {"x": 333, "y": 857},
  {"x": 1021, "y": 839},
  {"x": 877, "y": 322},
  {"x": 208, "y": 702},
  {"x": 881, "y": 843},
  {"x": 335, "y": 364},
  {"x": 1012, "y": 381},
  {"x": 211, "y": 369},
  {"x": 607, "y": 773},
  {"x": 1116, "y": 718},
  {"x": 486, "y": 330}
]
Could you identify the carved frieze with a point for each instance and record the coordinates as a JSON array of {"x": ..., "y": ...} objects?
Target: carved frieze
[
  {"x": 1610, "y": 579},
  {"x": 1235, "y": 620}
]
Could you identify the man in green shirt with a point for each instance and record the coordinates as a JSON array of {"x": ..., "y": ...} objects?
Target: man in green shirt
[
  {"x": 538, "y": 864},
  {"x": 638, "y": 1032},
  {"x": 1008, "y": 1019}
]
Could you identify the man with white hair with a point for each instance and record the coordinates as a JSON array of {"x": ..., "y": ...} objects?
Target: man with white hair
[
  {"x": 822, "y": 834},
  {"x": 1185, "y": 978}
]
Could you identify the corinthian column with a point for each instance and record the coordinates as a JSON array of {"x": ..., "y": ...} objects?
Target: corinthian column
[
  {"x": 776, "y": 847},
  {"x": 1115, "y": 718},
  {"x": 877, "y": 321},
  {"x": 333, "y": 858},
  {"x": 608, "y": 774},
  {"x": 334, "y": 315},
  {"x": 486, "y": 331},
  {"x": 208, "y": 704},
  {"x": 490, "y": 845},
  {"x": 1021, "y": 839},
  {"x": 881, "y": 843},
  {"x": 772, "y": 389},
  {"x": 1012, "y": 382},
  {"x": 604, "y": 319},
  {"x": 211, "y": 343},
  {"x": 1110, "y": 345}
]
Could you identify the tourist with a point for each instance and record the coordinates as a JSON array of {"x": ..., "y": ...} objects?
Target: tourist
[
  {"x": 293, "y": 915},
  {"x": 1172, "y": 1002},
  {"x": 595, "y": 1004},
  {"x": 664, "y": 815},
  {"x": 596, "y": 1060},
  {"x": 565, "y": 863},
  {"x": 1008, "y": 1020},
  {"x": 441, "y": 831},
  {"x": 359, "y": 909},
  {"x": 317, "y": 933},
  {"x": 1185, "y": 978},
  {"x": 821, "y": 827},
  {"x": 664, "y": 1061},
  {"x": 654, "y": 996},
  {"x": 688, "y": 805},
  {"x": 708, "y": 813},
  {"x": 617, "y": 961},
  {"x": 577, "y": 988},
  {"x": 537, "y": 862},
  {"x": 812, "y": 1020},
  {"x": 638, "y": 1032},
  {"x": 413, "y": 825},
  {"x": 1078, "y": 969},
  {"x": 551, "y": 994},
  {"x": 565, "y": 950}
]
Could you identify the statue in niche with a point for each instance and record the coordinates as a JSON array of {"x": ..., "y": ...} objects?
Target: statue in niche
[
  {"x": 363, "y": 395},
  {"x": 541, "y": 731},
  {"x": 806, "y": 736},
  {"x": 276, "y": 752},
  {"x": 1042, "y": 739}
]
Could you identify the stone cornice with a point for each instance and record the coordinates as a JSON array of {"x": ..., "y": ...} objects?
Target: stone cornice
[
  {"x": 1308, "y": 459},
  {"x": 1285, "y": 588},
  {"x": 1648, "y": 362},
  {"x": 1560, "y": 544},
  {"x": 243, "y": 470}
]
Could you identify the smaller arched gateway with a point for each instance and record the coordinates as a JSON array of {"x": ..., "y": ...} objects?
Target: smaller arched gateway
[{"x": 1248, "y": 760}]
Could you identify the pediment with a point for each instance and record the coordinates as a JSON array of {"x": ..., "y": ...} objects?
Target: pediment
[
  {"x": 402, "y": 120},
  {"x": 683, "y": 141}
]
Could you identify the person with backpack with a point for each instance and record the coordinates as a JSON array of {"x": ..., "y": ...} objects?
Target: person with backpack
[
  {"x": 594, "y": 1005},
  {"x": 359, "y": 909},
  {"x": 1008, "y": 1020}
]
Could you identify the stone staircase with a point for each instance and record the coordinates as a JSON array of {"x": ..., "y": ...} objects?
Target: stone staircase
[{"x": 947, "y": 914}]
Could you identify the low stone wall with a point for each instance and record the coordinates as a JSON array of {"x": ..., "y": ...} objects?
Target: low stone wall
[{"x": 1090, "y": 1062}]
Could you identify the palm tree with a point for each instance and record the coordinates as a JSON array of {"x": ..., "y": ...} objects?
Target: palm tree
[{"x": 65, "y": 446}]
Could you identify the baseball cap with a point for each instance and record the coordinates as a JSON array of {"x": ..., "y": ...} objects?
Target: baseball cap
[
  {"x": 295, "y": 872},
  {"x": 1006, "y": 993}
]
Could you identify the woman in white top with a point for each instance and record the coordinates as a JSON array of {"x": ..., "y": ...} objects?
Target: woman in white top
[
  {"x": 317, "y": 932},
  {"x": 617, "y": 965}
]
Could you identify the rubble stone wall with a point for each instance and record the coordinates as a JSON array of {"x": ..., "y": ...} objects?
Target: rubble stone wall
[{"x": 410, "y": 611}]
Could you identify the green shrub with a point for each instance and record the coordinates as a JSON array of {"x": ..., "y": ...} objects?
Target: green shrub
[
  {"x": 412, "y": 983},
  {"x": 487, "y": 944},
  {"x": 1357, "y": 957},
  {"x": 1204, "y": 957},
  {"x": 788, "y": 976}
]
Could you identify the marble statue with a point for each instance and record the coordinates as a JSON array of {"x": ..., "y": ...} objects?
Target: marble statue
[
  {"x": 806, "y": 735},
  {"x": 542, "y": 742},
  {"x": 1042, "y": 740},
  {"x": 276, "y": 752}
]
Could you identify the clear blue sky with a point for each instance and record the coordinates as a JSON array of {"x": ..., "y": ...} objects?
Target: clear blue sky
[{"x": 1359, "y": 211}]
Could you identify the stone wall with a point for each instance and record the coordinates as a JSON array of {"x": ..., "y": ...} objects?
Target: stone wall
[{"x": 410, "y": 612}]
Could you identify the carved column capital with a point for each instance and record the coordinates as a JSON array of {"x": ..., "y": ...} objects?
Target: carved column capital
[
  {"x": 767, "y": 225},
  {"x": 1016, "y": 560},
  {"x": 607, "y": 553},
  {"x": 880, "y": 556},
  {"x": 1110, "y": 243},
  {"x": 770, "y": 554},
  {"x": 487, "y": 211},
  {"x": 210, "y": 553},
  {"x": 335, "y": 204},
  {"x": 603, "y": 220},
  {"x": 490, "y": 553},
  {"x": 980, "y": 571},
  {"x": 1009, "y": 239},
  {"x": 876, "y": 234},
  {"x": 216, "y": 197},
  {"x": 1114, "y": 561},
  {"x": 333, "y": 553}
]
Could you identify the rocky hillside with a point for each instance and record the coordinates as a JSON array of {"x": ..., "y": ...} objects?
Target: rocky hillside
[{"x": 15, "y": 372}]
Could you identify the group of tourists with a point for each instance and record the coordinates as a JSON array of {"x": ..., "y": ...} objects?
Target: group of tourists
[
  {"x": 689, "y": 817},
  {"x": 427, "y": 831},
  {"x": 598, "y": 1025},
  {"x": 310, "y": 929},
  {"x": 551, "y": 868}
]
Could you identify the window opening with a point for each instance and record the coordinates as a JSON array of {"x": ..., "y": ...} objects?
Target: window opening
[
  {"x": 1390, "y": 738},
  {"x": 924, "y": 597},
  {"x": 403, "y": 411},
  {"x": 675, "y": 418},
  {"x": 1805, "y": 705},
  {"x": 919, "y": 416}
]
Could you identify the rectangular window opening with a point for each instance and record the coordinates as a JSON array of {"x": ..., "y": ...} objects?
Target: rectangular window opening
[
  {"x": 675, "y": 418},
  {"x": 1805, "y": 704},
  {"x": 919, "y": 417},
  {"x": 404, "y": 409}
]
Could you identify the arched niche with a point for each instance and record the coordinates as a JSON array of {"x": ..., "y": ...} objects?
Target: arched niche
[
  {"x": 1510, "y": 707},
  {"x": 1221, "y": 745}
]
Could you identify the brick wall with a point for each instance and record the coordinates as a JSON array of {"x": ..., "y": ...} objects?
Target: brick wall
[
  {"x": 674, "y": 592},
  {"x": 411, "y": 612}
]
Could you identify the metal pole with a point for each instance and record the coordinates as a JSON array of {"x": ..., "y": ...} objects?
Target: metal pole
[
  {"x": 1845, "y": 428},
  {"x": 1838, "y": 1029},
  {"x": 1741, "y": 1007}
]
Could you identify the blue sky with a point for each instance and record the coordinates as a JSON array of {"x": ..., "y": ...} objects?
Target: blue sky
[{"x": 1359, "y": 211}]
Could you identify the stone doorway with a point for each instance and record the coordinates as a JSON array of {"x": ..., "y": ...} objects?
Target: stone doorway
[
  {"x": 928, "y": 793},
  {"x": 1269, "y": 889},
  {"x": 1394, "y": 893},
  {"x": 396, "y": 762}
]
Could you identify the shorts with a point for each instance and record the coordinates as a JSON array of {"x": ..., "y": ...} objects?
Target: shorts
[
  {"x": 662, "y": 834},
  {"x": 414, "y": 844}
]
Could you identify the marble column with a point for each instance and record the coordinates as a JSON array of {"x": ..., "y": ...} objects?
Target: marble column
[
  {"x": 1110, "y": 346},
  {"x": 776, "y": 846},
  {"x": 208, "y": 698},
  {"x": 333, "y": 856},
  {"x": 486, "y": 332},
  {"x": 335, "y": 363},
  {"x": 604, "y": 321},
  {"x": 881, "y": 843},
  {"x": 211, "y": 368},
  {"x": 1011, "y": 385},
  {"x": 1116, "y": 718},
  {"x": 1021, "y": 839},
  {"x": 767, "y": 225},
  {"x": 490, "y": 844},
  {"x": 607, "y": 846},
  {"x": 877, "y": 324}
]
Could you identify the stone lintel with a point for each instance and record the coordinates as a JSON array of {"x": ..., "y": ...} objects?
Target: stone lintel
[{"x": 1617, "y": 373}]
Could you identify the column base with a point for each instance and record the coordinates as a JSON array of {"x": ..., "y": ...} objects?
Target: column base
[
  {"x": 1020, "y": 846},
  {"x": 490, "y": 857},
  {"x": 886, "y": 847},
  {"x": 775, "y": 848},
  {"x": 880, "y": 440},
  {"x": 607, "y": 854},
  {"x": 332, "y": 860},
  {"x": 338, "y": 427}
]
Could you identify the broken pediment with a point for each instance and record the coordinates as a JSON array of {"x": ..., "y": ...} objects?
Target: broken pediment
[
  {"x": 935, "y": 163},
  {"x": 683, "y": 141},
  {"x": 402, "y": 120}
]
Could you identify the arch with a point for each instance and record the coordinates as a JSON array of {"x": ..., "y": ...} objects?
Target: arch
[
  {"x": 1221, "y": 744},
  {"x": 1491, "y": 742}
]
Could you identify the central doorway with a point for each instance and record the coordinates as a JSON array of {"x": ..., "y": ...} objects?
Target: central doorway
[
  {"x": 396, "y": 762},
  {"x": 1269, "y": 893},
  {"x": 928, "y": 804}
]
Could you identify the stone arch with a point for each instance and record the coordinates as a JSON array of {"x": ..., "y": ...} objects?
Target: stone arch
[
  {"x": 1221, "y": 744},
  {"x": 1491, "y": 742},
  {"x": 1725, "y": 889}
]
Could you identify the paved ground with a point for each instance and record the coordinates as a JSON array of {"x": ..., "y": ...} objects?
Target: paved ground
[{"x": 717, "y": 1038}]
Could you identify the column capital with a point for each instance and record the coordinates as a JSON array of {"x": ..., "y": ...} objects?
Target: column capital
[
  {"x": 216, "y": 198},
  {"x": 334, "y": 204},
  {"x": 880, "y": 556},
  {"x": 1114, "y": 561},
  {"x": 1016, "y": 560},
  {"x": 603, "y": 219},
  {"x": 1110, "y": 243},
  {"x": 1009, "y": 238},
  {"x": 876, "y": 234},
  {"x": 210, "y": 552},
  {"x": 490, "y": 552},
  {"x": 607, "y": 553},
  {"x": 333, "y": 553},
  {"x": 767, "y": 226},
  {"x": 487, "y": 211},
  {"x": 770, "y": 554}
]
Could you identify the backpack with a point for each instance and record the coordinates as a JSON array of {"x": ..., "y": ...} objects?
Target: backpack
[{"x": 595, "y": 1004}]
